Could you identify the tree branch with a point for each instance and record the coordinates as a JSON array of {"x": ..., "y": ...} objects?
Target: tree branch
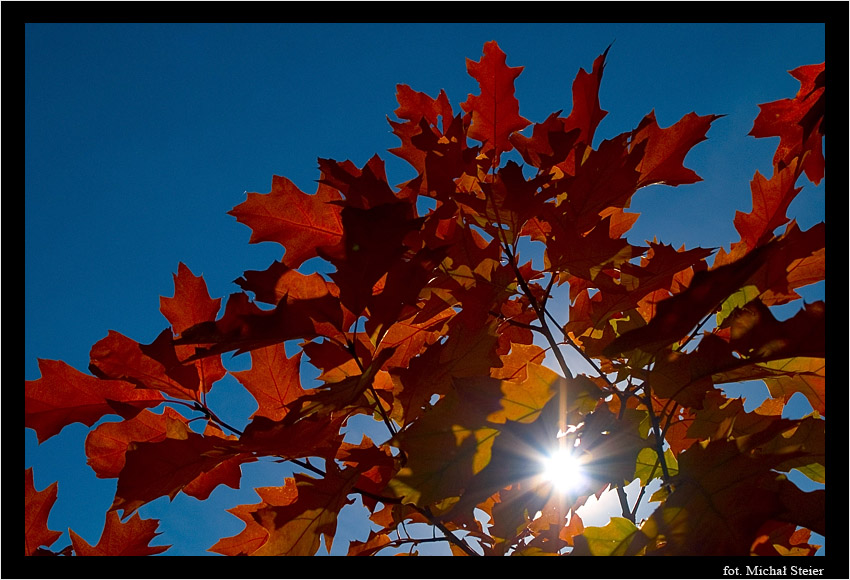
[{"x": 659, "y": 438}]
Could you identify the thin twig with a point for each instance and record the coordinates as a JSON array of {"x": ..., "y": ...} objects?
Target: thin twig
[
  {"x": 352, "y": 349},
  {"x": 459, "y": 542},
  {"x": 392, "y": 500},
  {"x": 659, "y": 440},
  {"x": 541, "y": 315}
]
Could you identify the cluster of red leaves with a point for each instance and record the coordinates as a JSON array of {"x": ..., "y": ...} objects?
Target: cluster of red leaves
[{"x": 427, "y": 322}]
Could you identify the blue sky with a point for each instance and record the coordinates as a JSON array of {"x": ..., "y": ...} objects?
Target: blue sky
[{"x": 139, "y": 139}]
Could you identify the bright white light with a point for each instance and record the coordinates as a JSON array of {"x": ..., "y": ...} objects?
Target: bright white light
[{"x": 563, "y": 470}]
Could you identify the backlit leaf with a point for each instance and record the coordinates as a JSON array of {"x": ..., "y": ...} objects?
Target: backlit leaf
[
  {"x": 37, "y": 505},
  {"x": 121, "y": 539}
]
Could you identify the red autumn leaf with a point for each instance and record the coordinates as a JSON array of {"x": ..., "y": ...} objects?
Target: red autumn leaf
[
  {"x": 293, "y": 517},
  {"x": 154, "y": 366},
  {"x": 106, "y": 446},
  {"x": 563, "y": 141},
  {"x": 227, "y": 472},
  {"x": 771, "y": 199},
  {"x": 654, "y": 274},
  {"x": 550, "y": 142},
  {"x": 279, "y": 281},
  {"x": 510, "y": 200},
  {"x": 293, "y": 436},
  {"x": 470, "y": 350},
  {"x": 586, "y": 113},
  {"x": 273, "y": 380},
  {"x": 345, "y": 396},
  {"x": 677, "y": 315},
  {"x": 495, "y": 112},
  {"x": 163, "y": 468},
  {"x": 407, "y": 337},
  {"x": 430, "y": 328},
  {"x": 37, "y": 506},
  {"x": 723, "y": 494},
  {"x": 299, "y": 222},
  {"x": 798, "y": 261},
  {"x": 63, "y": 395},
  {"x": 376, "y": 466},
  {"x": 374, "y": 543},
  {"x": 447, "y": 158},
  {"x": 665, "y": 149},
  {"x": 248, "y": 540},
  {"x": 191, "y": 303},
  {"x": 585, "y": 255},
  {"x": 362, "y": 188},
  {"x": 245, "y": 327},
  {"x": 371, "y": 246},
  {"x": 121, "y": 539},
  {"x": 396, "y": 296},
  {"x": 607, "y": 178},
  {"x": 414, "y": 106},
  {"x": 798, "y": 123}
]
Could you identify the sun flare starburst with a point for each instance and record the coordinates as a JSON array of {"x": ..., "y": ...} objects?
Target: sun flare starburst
[{"x": 563, "y": 470}]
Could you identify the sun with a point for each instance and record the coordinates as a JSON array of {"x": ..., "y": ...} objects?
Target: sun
[{"x": 563, "y": 470}]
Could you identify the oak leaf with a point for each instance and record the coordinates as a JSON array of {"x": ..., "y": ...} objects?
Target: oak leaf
[
  {"x": 163, "y": 468},
  {"x": 771, "y": 199},
  {"x": 677, "y": 315},
  {"x": 723, "y": 494},
  {"x": 299, "y": 222},
  {"x": 64, "y": 395},
  {"x": 665, "y": 149},
  {"x": 154, "y": 366},
  {"x": 191, "y": 303},
  {"x": 121, "y": 539},
  {"x": 273, "y": 380},
  {"x": 294, "y": 517},
  {"x": 37, "y": 508},
  {"x": 495, "y": 112},
  {"x": 798, "y": 122}
]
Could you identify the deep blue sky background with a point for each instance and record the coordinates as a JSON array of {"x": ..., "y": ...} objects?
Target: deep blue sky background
[{"x": 140, "y": 137}]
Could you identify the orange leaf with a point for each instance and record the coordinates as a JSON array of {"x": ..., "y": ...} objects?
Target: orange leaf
[
  {"x": 121, "y": 539},
  {"x": 293, "y": 518},
  {"x": 273, "y": 380},
  {"x": 279, "y": 281}
]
